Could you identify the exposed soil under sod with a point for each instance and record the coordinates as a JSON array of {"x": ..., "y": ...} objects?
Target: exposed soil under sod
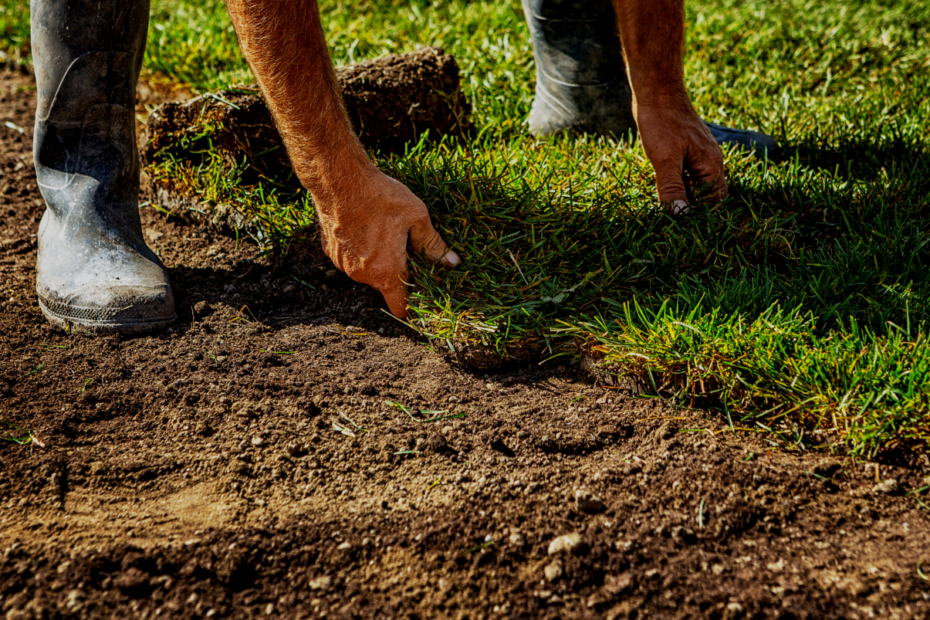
[{"x": 202, "y": 472}]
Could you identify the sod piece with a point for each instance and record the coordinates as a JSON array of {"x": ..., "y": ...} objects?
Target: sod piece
[{"x": 391, "y": 101}]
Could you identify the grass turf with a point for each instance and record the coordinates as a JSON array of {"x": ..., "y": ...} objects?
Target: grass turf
[{"x": 799, "y": 307}]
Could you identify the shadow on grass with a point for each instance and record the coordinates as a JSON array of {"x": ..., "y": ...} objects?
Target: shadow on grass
[{"x": 864, "y": 158}]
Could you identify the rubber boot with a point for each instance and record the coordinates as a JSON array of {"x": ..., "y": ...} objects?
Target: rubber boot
[
  {"x": 95, "y": 274},
  {"x": 581, "y": 81}
]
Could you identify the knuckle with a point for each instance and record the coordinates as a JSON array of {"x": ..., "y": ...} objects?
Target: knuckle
[
  {"x": 422, "y": 224},
  {"x": 434, "y": 241},
  {"x": 671, "y": 186},
  {"x": 383, "y": 277}
]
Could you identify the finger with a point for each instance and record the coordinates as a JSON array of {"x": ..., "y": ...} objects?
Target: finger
[
  {"x": 395, "y": 294},
  {"x": 708, "y": 173},
  {"x": 425, "y": 240},
  {"x": 670, "y": 180}
]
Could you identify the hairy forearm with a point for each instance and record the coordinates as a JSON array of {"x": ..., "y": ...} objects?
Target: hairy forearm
[
  {"x": 283, "y": 42},
  {"x": 653, "y": 44}
]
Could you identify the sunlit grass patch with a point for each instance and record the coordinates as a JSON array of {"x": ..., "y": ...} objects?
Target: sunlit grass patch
[
  {"x": 798, "y": 306},
  {"x": 774, "y": 373}
]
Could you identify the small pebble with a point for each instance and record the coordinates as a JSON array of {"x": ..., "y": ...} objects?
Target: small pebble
[
  {"x": 320, "y": 583},
  {"x": 553, "y": 571},
  {"x": 257, "y": 441},
  {"x": 888, "y": 487},
  {"x": 566, "y": 543}
]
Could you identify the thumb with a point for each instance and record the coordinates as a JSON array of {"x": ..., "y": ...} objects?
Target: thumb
[
  {"x": 425, "y": 240},
  {"x": 395, "y": 294}
]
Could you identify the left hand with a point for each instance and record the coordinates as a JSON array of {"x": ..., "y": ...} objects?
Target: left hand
[{"x": 679, "y": 145}]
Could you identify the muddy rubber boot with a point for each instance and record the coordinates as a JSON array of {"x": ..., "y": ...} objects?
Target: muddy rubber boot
[
  {"x": 95, "y": 274},
  {"x": 581, "y": 81}
]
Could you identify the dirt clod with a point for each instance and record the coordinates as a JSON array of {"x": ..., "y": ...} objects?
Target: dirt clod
[
  {"x": 554, "y": 571},
  {"x": 567, "y": 543},
  {"x": 589, "y": 503}
]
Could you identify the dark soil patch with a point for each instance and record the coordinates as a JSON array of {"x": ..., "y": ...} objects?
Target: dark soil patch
[{"x": 245, "y": 464}]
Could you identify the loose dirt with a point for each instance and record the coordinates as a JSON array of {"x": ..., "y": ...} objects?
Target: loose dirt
[{"x": 247, "y": 463}]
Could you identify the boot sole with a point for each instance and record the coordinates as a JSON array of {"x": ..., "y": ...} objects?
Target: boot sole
[{"x": 100, "y": 321}]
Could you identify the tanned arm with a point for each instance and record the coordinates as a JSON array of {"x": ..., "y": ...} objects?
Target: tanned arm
[
  {"x": 367, "y": 218},
  {"x": 675, "y": 139}
]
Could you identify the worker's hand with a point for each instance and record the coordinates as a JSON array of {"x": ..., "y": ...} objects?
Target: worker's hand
[
  {"x": 681, "y": 149},
  {"x": 366, "y": 231}
]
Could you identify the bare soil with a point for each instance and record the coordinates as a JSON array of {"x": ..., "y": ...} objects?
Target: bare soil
[{"x": 245, "y": 463}]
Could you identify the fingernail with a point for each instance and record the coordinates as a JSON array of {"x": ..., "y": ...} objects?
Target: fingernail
[
  {"x": 451, "y": 259},
  {"x": 680, "y": 207}
]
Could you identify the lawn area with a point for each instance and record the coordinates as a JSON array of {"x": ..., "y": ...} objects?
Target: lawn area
[{"x": 798, "y": 308}]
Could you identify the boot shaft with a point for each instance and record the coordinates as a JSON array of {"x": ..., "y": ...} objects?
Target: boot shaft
[
  {"x": 65, "y": 30},
  {"x": 576, "y": 41},
  {"x": 581, "y": 81},
  {"x": 87, "y": 56}
]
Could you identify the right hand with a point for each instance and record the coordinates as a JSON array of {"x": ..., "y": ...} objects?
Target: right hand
[{"x": 367, "y": 229}]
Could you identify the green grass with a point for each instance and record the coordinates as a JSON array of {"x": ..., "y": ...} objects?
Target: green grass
[
  {"x": 798, "y": 308},
  {"x": 14, "y": 30},
  {"x": 10, "y": 433}
]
